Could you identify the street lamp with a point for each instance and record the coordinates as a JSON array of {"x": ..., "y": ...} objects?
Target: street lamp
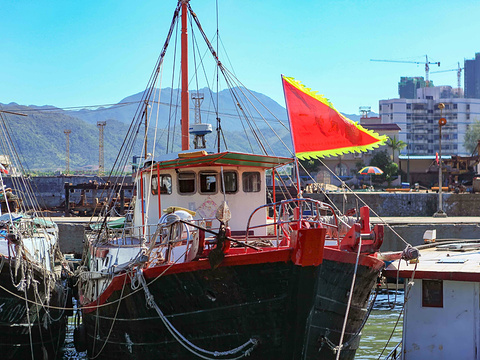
[{"x": 441, "y": 122}]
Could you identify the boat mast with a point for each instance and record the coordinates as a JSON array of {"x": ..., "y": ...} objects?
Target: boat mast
[{"x": 185, "y": 100}]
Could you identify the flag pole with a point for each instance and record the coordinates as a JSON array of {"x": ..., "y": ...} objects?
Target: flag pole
[{"x": 293, "y": 141}]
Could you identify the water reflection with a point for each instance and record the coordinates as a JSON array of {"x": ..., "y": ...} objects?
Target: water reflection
[{"x": 381, "y": 327}]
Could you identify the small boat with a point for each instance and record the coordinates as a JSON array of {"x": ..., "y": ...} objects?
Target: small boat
[
  {"x": 33, "y": 285},
  {"x": 441, "y": 297},
  {"x": 204, "y": 267}
]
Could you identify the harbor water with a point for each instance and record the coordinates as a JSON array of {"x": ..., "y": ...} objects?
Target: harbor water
[
  {"x": 384, "y": 325},
  {"x": 383, "y": 330}
]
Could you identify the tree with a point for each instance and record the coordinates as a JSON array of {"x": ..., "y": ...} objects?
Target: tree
[
  {"x": 472, "y": 135},
  {"x": 395, "y": 145},
  {"x": 389, "y": 168}
]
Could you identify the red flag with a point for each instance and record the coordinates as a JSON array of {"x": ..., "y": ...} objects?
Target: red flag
[
  {"x": 3, "y": 169},
  {"x": 318, "y": 129},
  {"x": 436, "y": 158}
]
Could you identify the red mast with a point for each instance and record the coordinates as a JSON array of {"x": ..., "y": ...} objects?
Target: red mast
[{"x": 185, "y": 98}]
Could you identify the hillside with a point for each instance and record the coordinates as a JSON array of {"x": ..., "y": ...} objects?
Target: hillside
[{"x": 41, "y": 142}]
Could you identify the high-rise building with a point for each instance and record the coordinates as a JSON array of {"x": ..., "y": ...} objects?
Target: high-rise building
[
  {"x": 472, "y": 77},
  {"x": 407, "y": 87},
  {"x": 418, "y": 120}
]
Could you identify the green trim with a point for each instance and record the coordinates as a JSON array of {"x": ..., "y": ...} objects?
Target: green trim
[{"x": 226, "y": 159}]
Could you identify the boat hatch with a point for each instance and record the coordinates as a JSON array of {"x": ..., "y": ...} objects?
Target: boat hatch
[
  {"x": 459, "y": 247},
  {"x": 449, "y": 260}
]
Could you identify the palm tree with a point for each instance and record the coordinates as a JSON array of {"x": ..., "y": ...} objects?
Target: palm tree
[{"x": 395, "y": 145}]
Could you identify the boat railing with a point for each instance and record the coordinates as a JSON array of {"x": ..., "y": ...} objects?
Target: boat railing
[
  {"x": 395, "y": 353},
  {"x": 294, "y": 214}
]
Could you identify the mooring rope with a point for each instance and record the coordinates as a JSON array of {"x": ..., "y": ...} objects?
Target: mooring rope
[
  {"x": 349, "y": 303},
  {"x": 408, "y": 253},
  {"x": 251, "y": 343}
]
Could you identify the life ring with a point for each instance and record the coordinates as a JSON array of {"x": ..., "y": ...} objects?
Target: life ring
[
  {"x": 197, "y": 246},
  {"x": 442, "y": 121}
]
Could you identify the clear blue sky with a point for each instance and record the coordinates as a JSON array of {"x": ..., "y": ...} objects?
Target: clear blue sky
[{"x": 73, "y": 53}]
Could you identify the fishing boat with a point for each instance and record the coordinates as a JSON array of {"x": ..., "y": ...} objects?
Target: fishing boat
[
  {"x": 204, "y": 267},
  {"x": 33, "y": 285},
  {"x": 441, "y": 297}
]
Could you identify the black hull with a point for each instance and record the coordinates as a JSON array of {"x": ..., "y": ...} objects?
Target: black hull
[
  {"x": 294, "y": 312},
  {"x": 48, "y": 326}
]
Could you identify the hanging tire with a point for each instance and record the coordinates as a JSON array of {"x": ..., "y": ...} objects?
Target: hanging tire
[{"x": 80, "y": 338}]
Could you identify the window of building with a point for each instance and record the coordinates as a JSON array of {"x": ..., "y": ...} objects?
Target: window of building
[
  {"x": 429, "y": 97},
  {"x": 341, "y": 169},
  {"x": 186, "y": 182},
  {"x": 468, "y": 106},
  {"x": 409, "y": 106},
  {"x": 251, "y": 181},
  {"x": 391, "y": 106},
  {"x": 468, "y": 116},
  {"x": 455, "y": 106},
  {"x": 430, "y": 111},
  {"x": 230, "y": 179},
  {"x": 165, "y": 184},
  {"x": 208, "y": 183},
  {"x": 447, "y": 106}
]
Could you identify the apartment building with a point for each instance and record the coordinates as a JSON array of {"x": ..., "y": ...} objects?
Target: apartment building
[{"x": 418, "y": 120}]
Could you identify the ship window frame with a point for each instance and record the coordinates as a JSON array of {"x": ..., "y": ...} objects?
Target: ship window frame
[
  {"x": 166, "y": 184},
  {"x": 432, "y": 293},
  {"x": 230, "y": 183},
  {"x": 203, "y": 188},
  {"x": 251, "y": 187},
  {"x": 180, "y": 182}
]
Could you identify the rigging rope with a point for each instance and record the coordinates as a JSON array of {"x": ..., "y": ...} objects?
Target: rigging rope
[{"x": 247, "y": 347}]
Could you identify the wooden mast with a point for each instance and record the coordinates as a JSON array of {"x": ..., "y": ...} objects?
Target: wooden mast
[{"x": 185, "y": 98}]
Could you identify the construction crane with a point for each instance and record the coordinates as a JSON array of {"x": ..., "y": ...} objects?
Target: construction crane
[
  {"x": 427, "y": 65},
  {"x": 101, "y": 158},
  {"x": 67, "y": 158},
  {"x": 459, "y": 74}
]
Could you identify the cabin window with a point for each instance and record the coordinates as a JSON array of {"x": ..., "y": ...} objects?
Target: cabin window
[
  {"x": 208, "y": 183},
  {"x": 432, "y": 293},
  {"x": 251, "y": 181},
  {"x": 230, "y": 179},
  {"x": 186, "y": 182},
  {"x": 165, "y": 184}
]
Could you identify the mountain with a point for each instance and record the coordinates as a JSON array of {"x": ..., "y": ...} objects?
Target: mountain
[{"x": 41, "y": 140}]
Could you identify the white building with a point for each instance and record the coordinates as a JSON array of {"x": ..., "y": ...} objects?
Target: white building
[{"x": 418, "y": 120}]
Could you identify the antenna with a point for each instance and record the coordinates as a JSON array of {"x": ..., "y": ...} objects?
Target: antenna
[
  {"x": 198, "y": 129},
  {"x": 101, "y": 160},
  {"x": 365, "y": 110},
  {"x": 67, "y": 159}
]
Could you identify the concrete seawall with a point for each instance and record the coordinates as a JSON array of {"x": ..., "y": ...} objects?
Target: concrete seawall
[
  {"x": 410, "y": 229},
  {"x": 405, "y": 204}
]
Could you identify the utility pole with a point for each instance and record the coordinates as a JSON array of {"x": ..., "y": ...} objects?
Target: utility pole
[
  {"x": 67, "y": 160},
  {"x": 101, "y": 160},
  {"x": 441, "y": 122}
]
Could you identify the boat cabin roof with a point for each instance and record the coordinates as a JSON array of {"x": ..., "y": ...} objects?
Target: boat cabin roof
[
  {"x": 459, "y": 261},
  {"x": 226, "y": 158}
]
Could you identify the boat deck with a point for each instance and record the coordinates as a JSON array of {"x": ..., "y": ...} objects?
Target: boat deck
[{"x": 459, "y": 261}]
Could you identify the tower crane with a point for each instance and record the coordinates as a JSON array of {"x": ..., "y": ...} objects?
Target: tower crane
[
  {"x": 427, "y": 63},
  {"x": 459, "y": 74}
]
